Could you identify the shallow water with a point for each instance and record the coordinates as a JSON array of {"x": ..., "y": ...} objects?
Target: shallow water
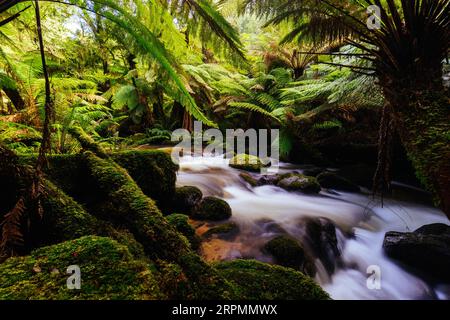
[{"x": 357, "y": 214}]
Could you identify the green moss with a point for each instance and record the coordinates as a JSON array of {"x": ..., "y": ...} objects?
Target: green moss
[
  {"x": 153, "y": 171},
  {"x": 87, "y": 143},
  {"x": 246, "y": 162},
  {"x": 186, "y": 199},
  {"x": 226, "y": 230},
  {"x": 124, "y": 203},
  {"x": 212, "y": 209},
  {"x": 108, "y": 271},
  {"x": 299, "y": 182},
  {"x": 181, "y": 224},
  {"x": 260, "y": 281},
  {"x": 287, "y": 251}
]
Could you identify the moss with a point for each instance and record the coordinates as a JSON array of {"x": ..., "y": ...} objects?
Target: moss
[
  {"x": 108, "y": 271},
  {"x": 70, "y": 173},
  {"x": 153, "y": 171},
  {"x": 186, "y": 199},
  {"x": 87, "y": 143},
  {"x": 299, "y": 182},
  {"x": 181, "y": 224},
  {"x": 260, "y": 281},
  {"x": 212, "y": 209},
  {"x": 424, "y": 126},
  {"x": 246, "y": 162},
  {"x": 287, "y": 251},
  {"x": 227, "y": 230},
  {"x": 124, "y": 203}
]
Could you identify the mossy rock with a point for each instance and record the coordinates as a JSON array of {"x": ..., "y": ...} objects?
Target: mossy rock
[
  {"x": 186, "y": 199},
  {"x": 260, "y": 281},
  {"x": 153, "y": 171},
  {"x": 108, "y": 271},
  {"x": 212, "y": 209},
  {"x": 289, "y": 253},
  {"x": 249, "y": 179},
  {"x": 223, "y": 231},
  {"x": 299, "y": 182},
  {"x": 181, "y": 224},
  {"x": 330, "y": 180},
  {"x": 246, "y": 162}
]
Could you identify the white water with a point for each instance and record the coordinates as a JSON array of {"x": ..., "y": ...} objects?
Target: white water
[{"x": 350, "y": 212}]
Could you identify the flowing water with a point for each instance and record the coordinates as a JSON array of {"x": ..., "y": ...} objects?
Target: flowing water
[{"x": 360, "y": 224}]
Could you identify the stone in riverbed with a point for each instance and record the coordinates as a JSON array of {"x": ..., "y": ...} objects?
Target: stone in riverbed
[
  {"x": 426, "y": 250},
  {"x": 320, "y": 235},
  {"x": 246, "y": 162},
  {"x": 187, "y": 198},
  {"x": 249, "y": 179},
  {"x": 289, "y": 253},
  {"x": 330, "y": 180},
  {"x": 212, "y": 209},
  {"x": 299, "y": 182}
]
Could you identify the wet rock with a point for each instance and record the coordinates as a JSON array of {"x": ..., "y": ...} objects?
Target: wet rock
[
  {"x": 268, "y": 180},
  {"x": 249, "y": 179},
  {"x": 289, "y": 253},
  {"x": 225, "y": 231},
  {"x": 299, "y": 182},
  {"x": 246, "y": 162},
  {"x": 426, "y": 250},
  {"x": 320, "y": 235},
  {"x": 212, "y": 209},
  {"x": 186, "y": 199},
  {"x": 330, "y": 180}
]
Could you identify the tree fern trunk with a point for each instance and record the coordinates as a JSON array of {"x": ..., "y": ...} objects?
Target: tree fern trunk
[{"x": 422, "y": 119}]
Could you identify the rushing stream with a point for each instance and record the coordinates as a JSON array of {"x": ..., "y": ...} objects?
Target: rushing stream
[{"x": 353, "y": 213}]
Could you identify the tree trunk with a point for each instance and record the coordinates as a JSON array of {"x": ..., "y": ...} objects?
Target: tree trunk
[
  {"x": 15, "y": 98},
  {"x": 422, "y": 118}
]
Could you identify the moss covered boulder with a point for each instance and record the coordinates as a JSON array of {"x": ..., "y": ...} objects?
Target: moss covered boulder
[
  {"x": 246, "y": 162},
  {"x": 212, "y": 209},
  {"x": 299, "y": 182},
  {"x": 260, "y": 281},
  {"x": 331, "y": 180},
  {"x": 289, "y": 253},
  {"x": 186, "y": 199},
  {"x": 108, "y": 271},
  {"x": 181, "y": 224},
  {"x": 249, "y": 179}
]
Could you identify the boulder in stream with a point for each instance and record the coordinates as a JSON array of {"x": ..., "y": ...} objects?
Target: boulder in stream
[
  {"x": 320, "y": 235},
  {"x": 246, "y": 162},
  {"x": 299, "y": 182},
  {"x": 288, "y": 252},
  {"x": 212, "y": 209},
  {"x": 186, "y": 198},
  {"x": 426, "y": 250}
]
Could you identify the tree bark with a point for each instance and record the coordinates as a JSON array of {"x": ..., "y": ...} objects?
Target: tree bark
[
  {"x": 422, "y": 118},
  {"x": 15, "y": 98}
]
